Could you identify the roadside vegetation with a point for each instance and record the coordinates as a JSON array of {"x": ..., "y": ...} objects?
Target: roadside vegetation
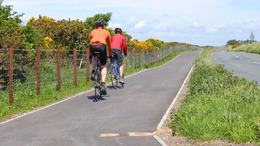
[
  {"x": 249, "y": 48},
  {"x": 219, "y": 105}
]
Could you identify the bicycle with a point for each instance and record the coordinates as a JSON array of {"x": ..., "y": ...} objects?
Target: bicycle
[
  {"x": 114, "y": 74},
  {"x": 97, "y": 79}
]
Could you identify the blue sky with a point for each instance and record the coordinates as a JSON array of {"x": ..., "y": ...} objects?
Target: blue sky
[{"x": 200, "y": 22}]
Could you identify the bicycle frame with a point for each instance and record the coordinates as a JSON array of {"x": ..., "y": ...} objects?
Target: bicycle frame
[
  {"x": 116, "y": 69},
  {"x": 115, "y": 73}
]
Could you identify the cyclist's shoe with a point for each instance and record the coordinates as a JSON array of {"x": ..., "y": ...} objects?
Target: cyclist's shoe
[
  {"x": 103, "y": 89},
  {"x": 121, "y": 80},
  {"x": 92, "y": 76}
]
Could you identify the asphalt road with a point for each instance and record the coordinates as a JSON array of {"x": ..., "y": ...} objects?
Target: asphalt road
[
  {"x": 139, "y": 107},
  {"x": 240, "y": 63}
]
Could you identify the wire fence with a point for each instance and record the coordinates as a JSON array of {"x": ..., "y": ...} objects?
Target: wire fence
[{"x": 31, "y": 71}]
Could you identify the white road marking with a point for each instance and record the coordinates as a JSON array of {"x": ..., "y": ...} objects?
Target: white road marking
[
  {"x": 256, "y": 62},
  {"x": 233, "y": 54},
  {"x": 160, "y": 141}
]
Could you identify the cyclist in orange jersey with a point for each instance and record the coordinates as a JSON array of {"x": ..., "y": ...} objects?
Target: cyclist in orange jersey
[{"x": 99, "y": 37}]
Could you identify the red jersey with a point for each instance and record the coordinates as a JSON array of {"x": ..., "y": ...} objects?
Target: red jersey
[{"x": 118, "y": 42}]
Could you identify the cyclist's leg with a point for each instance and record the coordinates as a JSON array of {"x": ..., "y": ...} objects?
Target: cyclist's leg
[
  {"x": 103, "y": 61},
  {"x": 115, "y": 58},
  {"x": 103, "y": 73},
  {"x": 119, "y": 61},
  {"x": 94, "y": 61}
]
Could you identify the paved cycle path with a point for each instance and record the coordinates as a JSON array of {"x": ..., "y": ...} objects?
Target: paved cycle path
[{"x": 139, "y": 107}]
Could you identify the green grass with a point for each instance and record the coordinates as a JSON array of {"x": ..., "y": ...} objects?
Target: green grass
[
  {"x": 25, "y": 98},
  {"x": 219, "y": 105},
  {"x": 167, "y": 59},
  {"x": 250, "y": 48}
]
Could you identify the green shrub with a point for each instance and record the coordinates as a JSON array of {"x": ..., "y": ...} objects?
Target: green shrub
[{"x": 250, "y": 48}]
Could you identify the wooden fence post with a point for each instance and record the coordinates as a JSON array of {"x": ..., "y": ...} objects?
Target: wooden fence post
[
  {"x": 11, "y": 59},
  {"x": 165, "y": 53},
  {"x": 75, "y": 66},
  {"x": 162, "y": 54},
  {"x": 135, "y": 58},
  {"x": 58, "y": 69},
  {"x": 154, "y": 56},
  {"x": 139, "y": 58},
  {"x": 126, "y": 62},
  {"x": 149, "y": 57},
  {"x": 131, "y": 59},
  {"x": 87, "y": 65},
  {"x": 146, "y": 58},
  {"x": 142, "y": 57},
  {"x": 38, "y": 74}
]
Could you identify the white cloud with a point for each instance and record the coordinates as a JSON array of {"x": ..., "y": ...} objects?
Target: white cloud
[
  {"x": 211, "y": 29},
  {"x": 140, "y": 24},
  {"x": 196, "y": 24},
  {"x": 220, "y": 26},
  {"x": 253, "y": 25},
  {"x": 162, "y": 27},
  {"x": 216, "y": 28},
  {"x": 114, "y": 25}
]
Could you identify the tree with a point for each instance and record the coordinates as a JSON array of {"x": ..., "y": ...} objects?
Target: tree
[
  {"x": 234, "y": 43},
  {"x": 90, "y": 21},
  {"x": 10, "y": 31},
  {"x": 7, "y": 14},
  {"x": 252, "y": 37}
]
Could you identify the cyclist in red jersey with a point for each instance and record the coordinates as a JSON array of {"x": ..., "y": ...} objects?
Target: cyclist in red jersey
[{"x": 119, "y": 44}]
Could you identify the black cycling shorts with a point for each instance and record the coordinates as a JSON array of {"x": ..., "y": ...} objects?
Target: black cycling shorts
[
  {"x": 118, "y": 56},
  {"x": 101, "y": 50}
]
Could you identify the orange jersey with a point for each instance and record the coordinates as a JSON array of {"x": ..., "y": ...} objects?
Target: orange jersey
[{"x": 100, "y": 36}]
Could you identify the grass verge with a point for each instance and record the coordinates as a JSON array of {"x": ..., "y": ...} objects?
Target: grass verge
[
  {"x": 219, "y": 105},
  {"x": 26, "y": 100},
  {"x": 249, "y": 48}
]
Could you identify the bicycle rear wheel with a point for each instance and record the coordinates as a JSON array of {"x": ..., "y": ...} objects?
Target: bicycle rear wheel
[
  {"x": 113, "y": 76},
  {"x": 97, "y": 87},
  {"x": 96, "y": 94}
]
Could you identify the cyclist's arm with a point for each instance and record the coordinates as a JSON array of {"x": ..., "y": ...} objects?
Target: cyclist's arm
[
  {"x": 90, "y": 54},
  {"x": 124, "y": 47},
  {"x": 110, "y": 50}
]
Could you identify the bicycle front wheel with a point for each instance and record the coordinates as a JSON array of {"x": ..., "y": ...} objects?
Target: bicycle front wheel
[{"x": 113, "y": 76}]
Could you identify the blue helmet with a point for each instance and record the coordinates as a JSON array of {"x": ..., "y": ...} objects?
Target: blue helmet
[
  {"x": 118, "y": 30},
  {"x": 99, "y": 23}
]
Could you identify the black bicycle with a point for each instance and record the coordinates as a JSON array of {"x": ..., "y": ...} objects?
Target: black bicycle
[
  {"x": 114, "y": 74},
  {"x": 97, "y": 79}
]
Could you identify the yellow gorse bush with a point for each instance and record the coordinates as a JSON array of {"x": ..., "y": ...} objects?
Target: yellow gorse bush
[
  {"x": 146, "y": 45},
  {"x": 47, "y": 41},
  {"x": 63, "y": 32}
]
